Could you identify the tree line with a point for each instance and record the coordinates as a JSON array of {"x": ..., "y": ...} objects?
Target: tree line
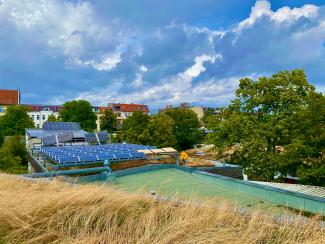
[{"x": 274, "y": 128}]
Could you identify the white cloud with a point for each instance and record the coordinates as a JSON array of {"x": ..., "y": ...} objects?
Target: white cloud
[
  {"x": 171, "y": 90},
  {"x": 138, "y": 82},
  {"x": 177, "y": 90},
  {"x": 198, "y": 68},
  {"x": 143, "y": 68},
  {"x": 70, "y": 29},
  {"x": 284, "y": 14},
  {"x": 106, "y": 63}
]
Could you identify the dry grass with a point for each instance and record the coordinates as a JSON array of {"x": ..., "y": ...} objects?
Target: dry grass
[
  {"x": 199, "y": 162},
  {"x": 43, "y": 212}
]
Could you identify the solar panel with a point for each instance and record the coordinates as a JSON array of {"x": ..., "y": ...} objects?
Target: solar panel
[
  {"x": 49, "y": 140},
  {"x": 103, "y": 136},
  {"x": 137, "y": 155},
  {"x": 65, "y": 137},
  {"x": 106, "y": 157},
  {"x": 122, "y": 156},
  {"x": 63, "y": 160},
  {"x": 91, "y": 138},
  {"x": 61, "y": 126},
  {"x": 88, "y": 158}
]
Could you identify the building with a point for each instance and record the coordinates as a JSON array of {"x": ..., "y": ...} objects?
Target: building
[
  {"x": 124, "y": 110},
  {"x": 198, "y": 110},
  {"x": 55, "y": 133},
  {"x": 41, "y": 113},
  {"x": 8, "y": 98}
]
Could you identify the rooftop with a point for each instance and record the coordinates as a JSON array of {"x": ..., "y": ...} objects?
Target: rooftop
[
  {"x": 132, "y": 107},
  {"x": 9, "y": 97}
]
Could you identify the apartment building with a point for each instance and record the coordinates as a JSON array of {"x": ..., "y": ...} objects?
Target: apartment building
[
  {"x": 41, "y": 113},
  {"x": 124, "y": 110}
]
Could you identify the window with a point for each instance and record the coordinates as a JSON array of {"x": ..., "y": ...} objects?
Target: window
[
  {"x": 37, "y": 117},
  {"x": 37, "y": 125},
  {"x": 43, "y": 117}
]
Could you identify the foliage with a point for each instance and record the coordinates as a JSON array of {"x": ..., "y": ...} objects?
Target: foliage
[
  {"x": 186, "y": 127},
  {"x": 140, "y": 128},
  {"x": 79, "y": 111},
  {"x": 282, "y": 111},
  {"x": 52, "y": 118},
  {"x": 13, "y": 155},
  {"x": 161, "y": 133},
  {"x": 108, "y": 121},
  {"x": 134, "y": 128},
  {"x": 208, "y": 117},
  {"x": 15, "y": 120}
]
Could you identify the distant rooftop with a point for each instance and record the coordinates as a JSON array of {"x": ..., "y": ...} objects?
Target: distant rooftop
[
  {"x": 132, "y": 107},
  {"x": 40, "y": 107},
  {"x": 9, "y": 97}
]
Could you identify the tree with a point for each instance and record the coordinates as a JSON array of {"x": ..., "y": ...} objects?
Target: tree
[
  {"x": 108, "y": 121},
  {"x": 13, "y": 155},
  {"x": 14, "y": 121},
  {"x": 134, "y": 126},
  {"x": 272, "y": 113},
  {"x": 52, "y": 118},
  {"x": 79, "y": 111},
  {"x": 161, "y": 132},
  {"x": 186, "y": 127}
]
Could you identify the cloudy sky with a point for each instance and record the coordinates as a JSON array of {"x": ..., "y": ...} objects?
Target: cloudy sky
[{"x": 152, "y": 51}]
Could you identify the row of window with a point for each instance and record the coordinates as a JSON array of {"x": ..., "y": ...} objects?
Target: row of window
[{"x": 37, "y": 117}]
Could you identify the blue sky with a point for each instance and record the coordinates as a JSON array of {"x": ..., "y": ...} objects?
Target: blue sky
[{"x": 152, "y": 51}]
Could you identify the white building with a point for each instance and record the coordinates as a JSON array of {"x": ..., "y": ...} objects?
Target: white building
[{"x": 41, "y": 113}]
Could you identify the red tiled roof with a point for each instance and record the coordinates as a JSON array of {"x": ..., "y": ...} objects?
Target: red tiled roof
[
  {"x": 9, "y": 97},
  {"x": 103, "y": 109},
  {"x": 123, "y": 107}
]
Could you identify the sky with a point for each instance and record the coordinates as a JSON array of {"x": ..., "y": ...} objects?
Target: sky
[{"x": 155, "y": 52}]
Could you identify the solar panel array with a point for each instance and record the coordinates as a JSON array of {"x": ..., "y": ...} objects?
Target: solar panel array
[
  {"x": 103, "y": 136},
  {"x": 98, "y": 153},
  {"x": 91, "y": 138},
  {"x": 61, "y": 126},
  {"x": 49, "y": 140},
  {"x": 65, "y": 137}
]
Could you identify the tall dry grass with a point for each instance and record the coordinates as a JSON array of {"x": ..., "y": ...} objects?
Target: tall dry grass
[{"x": 44, "y": 212}]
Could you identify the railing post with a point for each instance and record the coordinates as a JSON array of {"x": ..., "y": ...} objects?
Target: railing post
[{"x": 107, "y": 164}]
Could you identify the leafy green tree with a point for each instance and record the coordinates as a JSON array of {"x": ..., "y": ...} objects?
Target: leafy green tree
[
  {"x": 52, "y": 118},
  {"x": 133, "y": 128},
  {"x": 14, "y": 121},
  {"x": 281, "y": 111},
  {"x": 13, "y": 155},
  {"x": 79, "y": 111},
  {"x": 186, "y": 127},
  {"x": 108, "y": 121},
  {"x": 161, "y": 132},
  {"x": 208, "y": 117}
]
